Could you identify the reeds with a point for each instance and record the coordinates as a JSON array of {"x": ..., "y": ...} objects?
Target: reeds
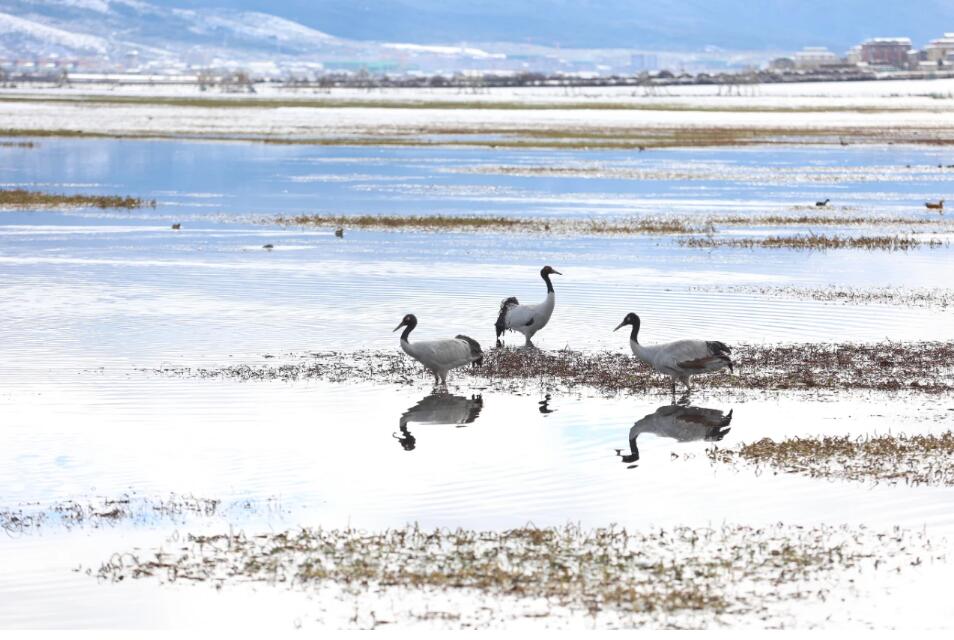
[
  {"x": 924, "y": 459},
  {"x": 24, "y": 199}
]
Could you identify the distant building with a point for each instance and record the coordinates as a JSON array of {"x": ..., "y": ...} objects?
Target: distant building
[
  {"x": 941, "y": 50},
  {"x": 815, "y": 57},
  {"x": 853, "y": 56},
  {"x": 782, "y": 64},
  {"x": 886, "y": 52}
]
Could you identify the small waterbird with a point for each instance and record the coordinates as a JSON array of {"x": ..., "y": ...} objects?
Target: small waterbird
[
  {"x": 681, "y": 359},
  {"x": 823, "y": 203},
  {"x": 939, "y": 205},
  {"x": 177, "y": 226},
  {"x": 527, "y": 319},
  {"x": 339, "y": 232},
  {"x": 682, "y": 424},
  {"x": 439, "y": 356}
]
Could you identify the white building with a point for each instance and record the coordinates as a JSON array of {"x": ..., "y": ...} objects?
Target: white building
[
  {"x": 815, "y": 57},
  {"x": 941, "y": 50}
]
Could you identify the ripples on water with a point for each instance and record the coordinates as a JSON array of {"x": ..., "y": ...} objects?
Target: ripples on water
[{"x": 91, "y": 297}]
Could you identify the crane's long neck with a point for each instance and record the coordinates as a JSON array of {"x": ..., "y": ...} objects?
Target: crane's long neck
[
  {"x": 634, "y": 333},
  {"x": 408, "y": 328},
  {"x": 638, "y": 350},
  {"x": 546, "y": 278}
]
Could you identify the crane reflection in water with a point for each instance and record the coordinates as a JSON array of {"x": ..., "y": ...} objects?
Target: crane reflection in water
[
  {"x": 437, "y": 408},
  {"x": 682, "y": 424}
]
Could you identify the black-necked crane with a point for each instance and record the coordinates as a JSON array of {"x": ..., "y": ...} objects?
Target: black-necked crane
[
  {"x": 527, "y": 319},
  {"x": 681, "y": 359},
  {"x": 439, "y": 356},
  {"x": 823, "y": 203}
]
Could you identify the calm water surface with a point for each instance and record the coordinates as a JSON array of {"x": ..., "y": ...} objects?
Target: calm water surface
[{"x": 91, "y": 298}]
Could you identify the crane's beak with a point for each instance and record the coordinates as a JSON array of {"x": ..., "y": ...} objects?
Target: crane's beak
[
  {"x": 557, "y": 272},
  {"x": 621, "y": 324},
  {"x": 397, "y": 327}
]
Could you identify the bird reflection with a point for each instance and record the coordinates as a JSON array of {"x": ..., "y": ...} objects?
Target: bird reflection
[
  {"x": 437, "y": 408},
  {"x": 545, "y": 405},
  {"x": 683, "y": 424}
]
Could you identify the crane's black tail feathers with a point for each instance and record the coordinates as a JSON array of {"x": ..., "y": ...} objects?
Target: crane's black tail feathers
[
  {"x": 475, "y": 351},
  {"x": 717, "y": 348},
  {"x": 500, "y": 325}
]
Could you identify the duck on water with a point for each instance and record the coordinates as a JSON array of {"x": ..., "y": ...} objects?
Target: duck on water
[
  {"x": 439, "y": 356},
  {"x": 527, "y": 319},
  {"x": 681, "y": 359}
]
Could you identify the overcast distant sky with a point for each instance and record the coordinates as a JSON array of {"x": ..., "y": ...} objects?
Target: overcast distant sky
[{"x": 669, "y": 24}]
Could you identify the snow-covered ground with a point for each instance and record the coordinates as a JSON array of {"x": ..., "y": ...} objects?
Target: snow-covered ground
[
  {"x": 890, "y": 94},
  {"x": 883, "y": 105}
]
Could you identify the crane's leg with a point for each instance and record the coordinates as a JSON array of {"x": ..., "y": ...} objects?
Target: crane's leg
[
  {"x": 685, "y": 397},
  {"x": 673, "y": 380}
]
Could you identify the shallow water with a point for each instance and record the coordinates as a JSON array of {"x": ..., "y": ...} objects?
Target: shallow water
[{"x": 92, "y": 298}]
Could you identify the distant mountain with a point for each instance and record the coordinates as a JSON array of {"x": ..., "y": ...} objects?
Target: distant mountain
[
  {"x": 680, "y": 25},
  {"x": 448, "y": 35},
  {"x": 120, "y": 28}
]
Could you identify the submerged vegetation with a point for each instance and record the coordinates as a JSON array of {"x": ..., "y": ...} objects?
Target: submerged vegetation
[
  {"x": 815, "y": 242},
  {"x": 914, "y": 460},
  {"x": 926, "y": 367},
  {"x": 904, "y": 296},
  {"x": 714, "y": 171},
  {"x": 99, "y": 511},
  {"x": 24, "y": 199},
  {"x": 680, "y": 576}
]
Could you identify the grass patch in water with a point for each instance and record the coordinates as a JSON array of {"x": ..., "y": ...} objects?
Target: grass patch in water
[
  {"x": 924, "y": 367},
  {"x": 24, "y": 199},
  {"x": 489, "y": 135},
  {"x": 128, "y": 508},
  {"x": 823, "y": 220},
  {"x": 494, "y": 223},
  {"x": 814, "y": 242},
  {"x": 652, "y": 225},
  {"x": 99, "y": 511},
  {"x": 678, "y": 576},
  {"x": 913, "y": 460}
]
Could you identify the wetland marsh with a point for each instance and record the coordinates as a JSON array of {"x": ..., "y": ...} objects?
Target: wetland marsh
[{"x": 192, "y": 422}]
